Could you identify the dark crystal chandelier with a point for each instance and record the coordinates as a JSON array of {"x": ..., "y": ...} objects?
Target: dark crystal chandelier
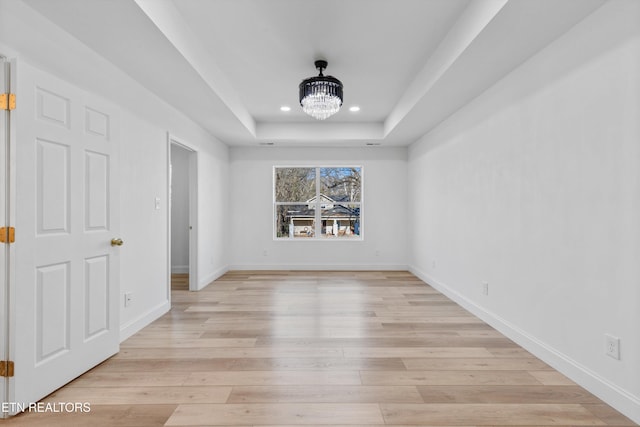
[{"x": 321, "y": 96}]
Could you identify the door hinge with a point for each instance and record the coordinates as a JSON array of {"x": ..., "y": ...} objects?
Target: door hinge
[
  {"x": 8, "y": 101},
  {"x": 6, "y": 369},
  {"x": 7, "y": 235}
]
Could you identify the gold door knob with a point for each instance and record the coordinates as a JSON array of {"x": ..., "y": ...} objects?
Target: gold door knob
[{"x": 117, "y": 242}]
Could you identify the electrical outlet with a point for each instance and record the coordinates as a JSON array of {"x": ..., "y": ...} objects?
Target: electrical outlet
[
  {"x": 485, "y": 288},
  {"x": 612, "y": 346},
  {"x": 265, "y": 253},
  {"x": 128, "y": 298}
]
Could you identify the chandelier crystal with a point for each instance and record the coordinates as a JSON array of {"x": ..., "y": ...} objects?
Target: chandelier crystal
[{"x": 321, "y": 96}]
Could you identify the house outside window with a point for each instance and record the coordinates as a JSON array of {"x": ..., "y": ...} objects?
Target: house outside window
[{"x": 317, "y": 203}]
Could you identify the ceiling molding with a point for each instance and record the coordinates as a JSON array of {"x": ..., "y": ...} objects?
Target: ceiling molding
[
  {"x": 474, "y": 19},
  {"x": 168, "y": 20},
  {"x": 319, "y": 132}
]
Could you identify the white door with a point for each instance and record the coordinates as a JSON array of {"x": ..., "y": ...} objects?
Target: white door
[{"x": 66, "y": 291}]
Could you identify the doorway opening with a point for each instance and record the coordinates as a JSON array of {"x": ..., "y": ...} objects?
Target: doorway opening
[{"x": 183, "y": 185}]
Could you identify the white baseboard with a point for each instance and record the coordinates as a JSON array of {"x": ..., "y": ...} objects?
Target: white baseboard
[
  {"x": 143, "y": 320},
  {"x": 179, "y": 269},
  {"x": 204, "y": 282},
  {"x": 321, "y": 267},
  {"x": 622, "y": 400}
]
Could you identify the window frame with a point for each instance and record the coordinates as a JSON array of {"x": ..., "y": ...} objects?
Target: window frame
[{"x": 318, "y": 236}]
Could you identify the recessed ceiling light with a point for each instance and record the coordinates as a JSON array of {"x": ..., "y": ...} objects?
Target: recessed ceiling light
[
  {"x": 354, "y": 109},
  {"x": 285, "y": 108}
]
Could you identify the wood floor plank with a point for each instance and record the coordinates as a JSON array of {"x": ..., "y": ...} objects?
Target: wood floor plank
[
  {"x": 203, "y": 353},
  {"x": 326, "y": 425},
  {"x": 115, "y": 365},
  {"x": 190, "y": 343},
  {"x": 551, "y": 378},
  {"x": 609, "y": 415},
  {"x": 492, "y": 364},
  {"x": 240, "y": 333},
  {"x": 149, "y": 333},
  {"x": 490, "y": 414},
  {"x": 319, "y": 364},
  {"x": 447, "y": 323},
  {"x": 277, "y": 414},
  {"x": 410, "y": 352},
  {"x": 465, "y": 321},
  {"x": 424, "y": 341},
  {"x": 308, "y": 321},
  {"x": 125, "y": 395},
  {"x": 506, "y": 394},
  {"x": 509, "y": 352},
  {"x": 132, "y": 379},
  {"x": 448, "y": 378},
  {"x": 325, "y": 394},
  {"x": 274, "y": 378}
]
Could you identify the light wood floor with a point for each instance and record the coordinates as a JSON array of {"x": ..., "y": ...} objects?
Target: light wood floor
[
  {"x": 322, "y": 349},
  {"x": 179, "y": 282}
]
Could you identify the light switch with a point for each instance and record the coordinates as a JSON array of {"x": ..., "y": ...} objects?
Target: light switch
[{"x": 157, "y": 203}]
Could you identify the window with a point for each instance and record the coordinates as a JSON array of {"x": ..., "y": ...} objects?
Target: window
[{"x": 317, "y": 202}]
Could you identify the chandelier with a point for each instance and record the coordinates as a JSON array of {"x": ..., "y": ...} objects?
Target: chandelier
[{"x": 321, "y": 96}]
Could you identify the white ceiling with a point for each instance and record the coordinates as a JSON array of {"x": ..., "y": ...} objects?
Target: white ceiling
[{"x": 231, "y": 64}]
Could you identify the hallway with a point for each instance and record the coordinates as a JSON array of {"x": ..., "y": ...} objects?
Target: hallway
[{"x": 322, "y": 348}]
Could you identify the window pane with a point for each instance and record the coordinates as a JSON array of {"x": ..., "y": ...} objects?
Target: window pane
[
  {"x": 295, "y": 184},
  {"x": 295, "y": 221},
  {"x": 341, "y": 184},
  {"x": 336, "y": 192},
  {"x": 342, "y": 220}
]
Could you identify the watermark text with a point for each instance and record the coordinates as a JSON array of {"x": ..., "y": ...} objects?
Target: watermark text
[{"x": 44, "y": 407}]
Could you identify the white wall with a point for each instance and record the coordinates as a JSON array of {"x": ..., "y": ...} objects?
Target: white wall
[
  {"x": 213, "y": 213},
  {"x": 145, "y": 123},
  {"x": 383, "y": 210},
  {"x": 179, "y": 209},
  {"x": 534, "y": 187}
]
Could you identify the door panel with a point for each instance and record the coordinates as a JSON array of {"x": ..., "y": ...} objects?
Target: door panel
[
  {"x": 97, "y": 123},
  {"x": 53, "y": 108},
  {"x": 97, "y": 198},
  {"x": 52, "y": 319},
  {"x": 97, "y": 291},
  {"x": 52, "y": 187},
  {"x": 66, "y": 204}
]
